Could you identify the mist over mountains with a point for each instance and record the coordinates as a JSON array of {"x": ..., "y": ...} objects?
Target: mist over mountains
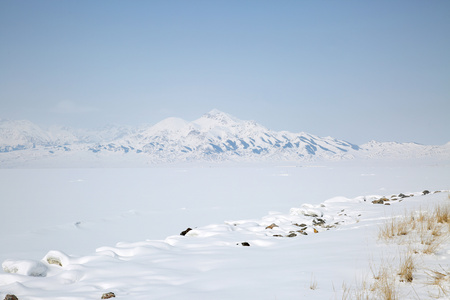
[{"x": 215, "y": 136}]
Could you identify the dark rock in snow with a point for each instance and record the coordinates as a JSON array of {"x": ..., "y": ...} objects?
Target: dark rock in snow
[
  {"x": 245, "y": 244},
  {"x": 426, "y": 192},
  {"x": 291, "y": 235},
  {"x": 108, "y": 295},
  {"x": 183, "y": 233},
  {"x": 318, "y": 221},
  {"x": 11, "y": 297}
]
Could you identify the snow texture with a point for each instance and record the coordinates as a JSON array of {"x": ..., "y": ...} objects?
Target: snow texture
[{"x": 86, "y": 232}]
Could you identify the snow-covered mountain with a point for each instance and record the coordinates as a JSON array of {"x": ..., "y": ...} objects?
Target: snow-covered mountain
[{"x": 215, "y": 136}]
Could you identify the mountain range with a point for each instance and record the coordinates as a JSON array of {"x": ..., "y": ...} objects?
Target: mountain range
[{"x": 215, "y": 136}]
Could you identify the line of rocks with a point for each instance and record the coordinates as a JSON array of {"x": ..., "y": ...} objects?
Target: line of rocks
[{"x": 399, "y": 198}]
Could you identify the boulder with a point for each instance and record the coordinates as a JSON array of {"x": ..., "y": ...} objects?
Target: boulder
[
  {"x": 26, "y": 267},
  {"x": 183, "y": 233},
  {"x": 426, "y": 192},
  {"x": 54, "y": 261},
  {"x": 108, "y": 295},
  {"x": 272, "y": 226},
  {"x": 58, "y": 258},
  {"x": 318, "y": 221},
  {"x": 245, "y": 244},
  {"x": 11, "y": 297}
]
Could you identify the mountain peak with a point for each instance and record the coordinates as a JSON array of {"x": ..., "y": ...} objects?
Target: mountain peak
[
  {"x": 217, "y": 116},
  {"x": 215, "y": 111}
]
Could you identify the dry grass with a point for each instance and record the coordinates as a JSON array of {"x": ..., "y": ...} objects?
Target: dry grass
[
  {"x": 441, "y": 280},
  {"x": 406, "y": 268},
  {"x": 359, "y": 293},
  {"x": 384, "y": 286},
  {"x": 442, "y": 214},
  {"x": 429, "y": 228},
  {"x": 347, "y": 292},
  {"x": 424, "y": 232},
  {"x": 313, "y": 283}
]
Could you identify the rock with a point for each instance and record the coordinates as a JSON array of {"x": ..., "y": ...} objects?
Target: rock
[
  {"x": 329, "y": 226},
  {"x": 272, "y": 226},
  {"x": 318, "y": 221},
  {"x": 387, "y": 204},
  {"x": 183, "y": 233},
  {"x": 379, "y": 201},
  {"x": 315, "y": 230},
  {"x": 54, "y": 261},
  {"x": 291, "y": 235},
  {"x": 300, "y": 225},
  {"x": 245, "y": 244},
  {"x": 277, "y": 235},
  {"x": 402, "y": 195},
  {"x": 11, "y": 297},
  {"x": 311, "y": 214},
  {"x": 108, "y": 295},
  {"x": 426, "y": 192},
  {"x": 26, "y": 267},
  {"x": 58, "y": 258},
  {"x": 302, "y": 232}
]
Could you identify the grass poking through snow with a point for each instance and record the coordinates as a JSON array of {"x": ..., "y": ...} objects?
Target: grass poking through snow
[{"x": 419, "y": 234}]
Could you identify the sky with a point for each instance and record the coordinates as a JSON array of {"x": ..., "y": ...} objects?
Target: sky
[{"x": 353, "y": 70}]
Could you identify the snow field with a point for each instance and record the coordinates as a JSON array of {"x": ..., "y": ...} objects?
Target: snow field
[
  {"x": 70, "y": 213},
  {"x": 211, "y": 262}
]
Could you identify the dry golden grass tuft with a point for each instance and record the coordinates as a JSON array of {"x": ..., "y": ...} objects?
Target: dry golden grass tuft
[
  {"x": 313, "y": 283},
  {"x": 441, "y": 280},
  {"x": 406, "y": 268},
  {"x": 442, "y": 214},
  {"x": 429, "y": 228},
  {"x": 384, "y": 286},
  {"x": 421, "y": 232}
]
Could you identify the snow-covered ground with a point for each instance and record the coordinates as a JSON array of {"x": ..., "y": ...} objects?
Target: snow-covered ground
[{"x": 118, "y": 230}]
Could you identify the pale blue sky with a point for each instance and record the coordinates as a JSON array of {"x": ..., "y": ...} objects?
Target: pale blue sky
[{"x": 354, "y": 70}]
